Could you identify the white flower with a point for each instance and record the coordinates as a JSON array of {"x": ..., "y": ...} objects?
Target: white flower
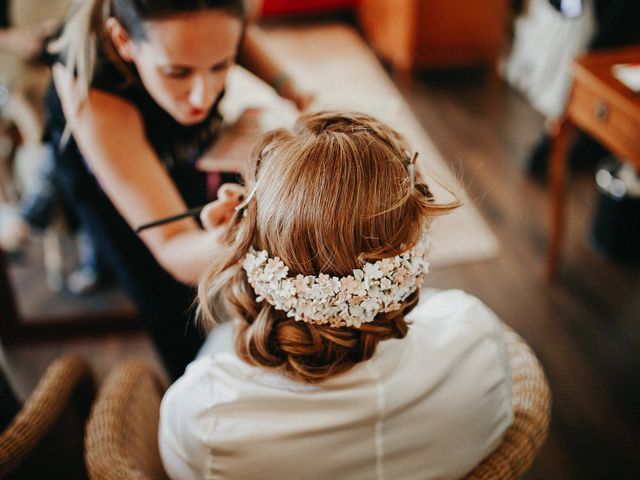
[
  {"x": 356, "y": 311},
  {"x": 400, "y": 275},
  {"x": 349, "y": 285},
  {"x": 315, "y": 291},
  {"x": 260, "y": 258},
  {"x": 374, "y": 291},
  {"x": 328, "y": 285},
  {"x": 372, "y": 270},
  {"x": 287, "y": 288},
  {"x": 370, "y": 305},
  {"x": 301, "y": 283},
  {"x": 348, "y": 301},
  {"x": 385, "y": 283},
  {"x": 275, "y": 269},
  {"x": 386, "y": 265}
]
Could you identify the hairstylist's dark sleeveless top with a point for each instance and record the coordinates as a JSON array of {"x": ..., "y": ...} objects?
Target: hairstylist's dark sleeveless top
[
  {"x": 4, "y": 13},
  {"x": 176, "y": 145},
  {"x": 163, "y": 301}
]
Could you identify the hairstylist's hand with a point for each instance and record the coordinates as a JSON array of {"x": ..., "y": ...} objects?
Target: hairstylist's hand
[
  {"x": 292, "y": 91},
  {"x": 216, "y": 215},
  {"x": 27, "y": 42}
]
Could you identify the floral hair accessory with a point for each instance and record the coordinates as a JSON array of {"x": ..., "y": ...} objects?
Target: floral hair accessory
[{"x": 349, "y": 301}]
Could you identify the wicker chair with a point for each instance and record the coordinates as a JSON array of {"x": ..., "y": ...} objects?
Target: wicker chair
[
  {"x": 45, "y": 439},
  {"x": 531, "y": 413},
  {"x": 122, "y": 432}
]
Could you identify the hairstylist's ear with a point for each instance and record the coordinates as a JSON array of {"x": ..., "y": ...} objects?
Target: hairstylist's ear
[{"x": 120, "y": 39}]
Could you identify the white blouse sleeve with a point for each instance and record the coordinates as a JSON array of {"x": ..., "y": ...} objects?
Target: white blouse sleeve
[
  {"x": 182, "y": 433},
  {"x": 467, "y": 348}
]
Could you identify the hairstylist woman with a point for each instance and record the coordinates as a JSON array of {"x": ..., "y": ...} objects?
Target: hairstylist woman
[{"x": 137, "y": 84}]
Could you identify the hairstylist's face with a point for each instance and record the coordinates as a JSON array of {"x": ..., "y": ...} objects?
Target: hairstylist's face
[{"x": 184, "y": 61}]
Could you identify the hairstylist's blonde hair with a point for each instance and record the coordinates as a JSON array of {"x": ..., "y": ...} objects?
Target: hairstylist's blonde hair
[{"x": 331, "y": 193}]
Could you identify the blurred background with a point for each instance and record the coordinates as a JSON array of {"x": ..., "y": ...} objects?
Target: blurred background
[{"x": 482, "y": 87}]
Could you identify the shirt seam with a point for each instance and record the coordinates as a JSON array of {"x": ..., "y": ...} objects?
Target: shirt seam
[{"x": 379, "y": 426}]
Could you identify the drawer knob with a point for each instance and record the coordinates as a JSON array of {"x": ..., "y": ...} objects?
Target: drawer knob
[{"x": 602, "y": 111}]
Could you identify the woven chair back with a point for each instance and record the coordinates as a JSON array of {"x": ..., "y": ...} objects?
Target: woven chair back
[
  {"x": 531, "y": 399},
  {"x": 122, "y": 432},
  {"x": 45, "y": 439}
]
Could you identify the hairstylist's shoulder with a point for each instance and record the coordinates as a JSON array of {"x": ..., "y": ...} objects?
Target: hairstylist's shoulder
[{"x": 99, "y": 106}]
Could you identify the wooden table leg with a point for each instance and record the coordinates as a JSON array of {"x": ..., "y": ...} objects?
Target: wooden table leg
[
  {"x": 557, "y": 180},
  {"x": 403, "y": 70}
]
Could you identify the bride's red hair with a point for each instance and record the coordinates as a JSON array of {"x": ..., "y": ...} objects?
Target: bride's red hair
[{"x": 331, "y": 193}]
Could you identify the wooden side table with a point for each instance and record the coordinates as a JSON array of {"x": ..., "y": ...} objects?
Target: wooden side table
[{"x": 605, "y": 109}]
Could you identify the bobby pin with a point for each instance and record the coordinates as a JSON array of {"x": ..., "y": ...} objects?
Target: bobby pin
[
  {"x": 245, "y": 201},
  {"x": 411, "y": 167}
]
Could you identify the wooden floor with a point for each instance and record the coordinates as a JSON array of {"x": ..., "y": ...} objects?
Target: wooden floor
[{"x": 584, "y": 327}]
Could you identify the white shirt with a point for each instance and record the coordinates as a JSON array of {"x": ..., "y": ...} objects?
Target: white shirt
[{"x": 429, "y": 406}]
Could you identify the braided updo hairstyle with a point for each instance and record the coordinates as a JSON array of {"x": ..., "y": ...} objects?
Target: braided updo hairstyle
[{"x": 332, "y": 193}]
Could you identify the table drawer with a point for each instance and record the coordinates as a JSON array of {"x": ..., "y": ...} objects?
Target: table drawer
[{"x": 606, "y": 122}]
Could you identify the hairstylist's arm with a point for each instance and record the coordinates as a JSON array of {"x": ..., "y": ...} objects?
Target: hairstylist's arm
[
  {"x": 26, "y": 42},
  {"x": 110, "y": 134},
  {"x": 256, "y": 58}
]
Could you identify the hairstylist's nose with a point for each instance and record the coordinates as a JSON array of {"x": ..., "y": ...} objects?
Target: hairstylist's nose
[{"x": 200, "y": 94}]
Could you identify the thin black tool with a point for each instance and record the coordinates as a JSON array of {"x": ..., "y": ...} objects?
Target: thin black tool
[{"x": 192, "y": 212}]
